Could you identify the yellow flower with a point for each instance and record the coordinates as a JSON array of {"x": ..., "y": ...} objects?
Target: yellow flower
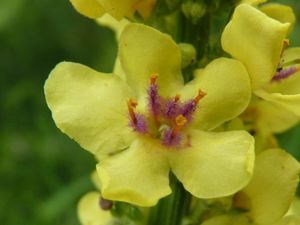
[
  {"x": 165, "y": 125},
  {"x": 116, "y": 8},
  {"x": 258, "y": 41},
  {"x": 268, "y": 196}
]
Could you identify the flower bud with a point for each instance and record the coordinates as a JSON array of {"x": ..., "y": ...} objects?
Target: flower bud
[
  {"x": 193, "y": 11},
  {"x": 188, "y": 54}
]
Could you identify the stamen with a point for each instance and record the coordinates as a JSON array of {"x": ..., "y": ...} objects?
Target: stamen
[
  {"x": 200, "y": 95},
  {"x": 137, "y": 121},
  {"x": 172, "y": 108},
  {"x": 170, "y": 141},
  {"x": 189, "y": 107},
  {"x": 141, "y": 125},
  {"x": 154, "y": 99},
  {"x": 172, "y": 136},
  {"x": 286, "y": 43},
  {"x": 131, "y": 105},
  {"x": 291, "y": 63},
  {"x": 285, "y": 73},
  {"x": 153, "y": 78},
  {"x": 169, "y": 115},
  {"x": 180, "y": 121}
]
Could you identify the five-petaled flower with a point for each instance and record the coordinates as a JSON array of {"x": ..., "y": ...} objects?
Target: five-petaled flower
[{"x": 144, "y": 122}]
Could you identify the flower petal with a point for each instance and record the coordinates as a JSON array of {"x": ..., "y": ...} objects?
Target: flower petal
[
  {"x": 216, "y": 164},
  {"x": 228, "y": 91},
  {"x": 95, "y": 180},
  {"x": 138, "y": 175},
  {"x": 253, "y": 2},
  {"x": 290, "y": 102},
  {"x": 289, "y": 85},
  {"x": 264, "y": 140},
  {"x": 89, "y": 211},
  {"x": 295, "y": 207},
  {"x": 110, "y": 22},
  {"x": 89, "y": 8},
  {"x": 278, "y": 173},
  {"x": 291, "y": 54},
  {"x": 117, "y": 8},
  {"x": 145, "y": 7},
  {"x": 144, "y": 51},
  {"x": 89, "y": 107},
  {"x": 282, "y": 13},
  {"x": 256, "y": 40},
  {"x": 230, "y": 219},
  {"x": 286, "y": 86},
  {"x": 289, "y": 220},
  {"x": 274, "y": 119}
]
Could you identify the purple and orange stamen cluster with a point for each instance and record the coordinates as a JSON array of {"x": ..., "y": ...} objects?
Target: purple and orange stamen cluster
[{"x": 170, "y": 116}]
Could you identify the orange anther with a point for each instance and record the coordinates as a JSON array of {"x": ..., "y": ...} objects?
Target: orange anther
[
  {"x": 200, "y": 95},
  {"x": 180, "y": 121},
  {"x": 177, "y": 98},
  {"x": 286, "y": 43},
  {"x": 298, "y": 68},
  {"x": 131, "y": 104},
  {"x": 153, "y": 78}
]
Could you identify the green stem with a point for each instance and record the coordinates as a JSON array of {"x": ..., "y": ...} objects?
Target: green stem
[{"x": 171, "y": 209}]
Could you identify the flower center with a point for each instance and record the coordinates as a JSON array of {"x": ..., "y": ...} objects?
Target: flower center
[
  {"x": 286, "y": 69},
  {"x": 166, "y": 118}
]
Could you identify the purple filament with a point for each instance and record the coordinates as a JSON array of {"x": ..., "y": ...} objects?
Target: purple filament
[
  {"x": 140, "y": 125},
  {"x": 169, "y": 140},
  {"x": 284, "y": 73},
  {"x": 188, "y": 109},
  {"x": 171, "y": 109},
  {"x": 154, "y": 100}
]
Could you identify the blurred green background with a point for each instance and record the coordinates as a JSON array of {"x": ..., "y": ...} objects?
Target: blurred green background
[{"x": 43, "y": 173}]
